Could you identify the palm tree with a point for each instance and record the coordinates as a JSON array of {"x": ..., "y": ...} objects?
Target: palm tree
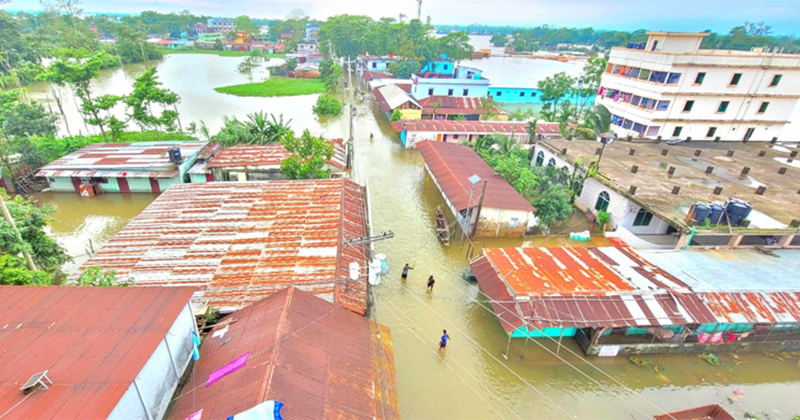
[
  {"x": 279, "y": 129},
  {"x": 599, "y": 120},
  {"x": 257, "y": 128}
]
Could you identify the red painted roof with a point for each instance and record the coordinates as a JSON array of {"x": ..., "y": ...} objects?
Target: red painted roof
[
  {"x": 242, "y": 241},
  {"x": 473, "y": 127},
  {"x": 320, "y": 361},
  {"x": 452, "y": 164},
  {"x": 371, "y": 75},
  {"x": 268, "y": 155},
  {"x": 453, "y": 105},
  {"x": 92, "y": 340}
]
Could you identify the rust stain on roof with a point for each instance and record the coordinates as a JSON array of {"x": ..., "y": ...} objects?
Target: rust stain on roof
[
  {"x": 321, "y": 361},
  {"x": 452, "y": 164},
  {"x": 92, "y": 340},
  {"x": 479, "y": 127},
  {"x": 240, "y": 242},
  {"x": 268, "y": 156}
]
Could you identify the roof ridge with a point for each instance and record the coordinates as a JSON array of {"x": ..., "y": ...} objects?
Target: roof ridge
[{"x": 265, "y": 386}]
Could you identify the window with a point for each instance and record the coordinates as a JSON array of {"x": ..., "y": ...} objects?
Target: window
[
  {"x": 374, "y": 65},
  {"x": 499, "y": 93},
  {"x": 455, "y": 136},
  {"x": 763, "y": 108},
  {"x": 652, "y": 131},
  {"x": 522, "y": 94},
  {"x": 673, "y": 78},
  {"x": 711, "y": 131},
  {"x": 446, "y": 67},
  {"x": 645, "y": 74},
  {"x": 677, "y": 131},
  {"x": 723, "y": 106},
  {"x": 533, "y": 94},
  {"x": 449, "y": 92},
  {"x": 749, "y": 133},
  {"x": 655, "y": 45},
  {"x": 430, "y": 92},
  {"x": 643, "y": 218},
  {"x": 639, "y": 128},
  {"x": 662, "y": 105},
  {"x": 540, "y": 158},
  {"x": 775, "y": 80},
  {"x": 603, "y": 199},
  {"x": 736, "y": 78},
  {"x": 688, "y": 106},
  {"x": 551, "y": 163},
  {"x": 698, "y": 80},
  {"x": 465, "y": 93}
]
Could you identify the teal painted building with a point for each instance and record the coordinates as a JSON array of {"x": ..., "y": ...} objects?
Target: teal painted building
[
  {"x": 145, "y": 167},
  {"x": 512, "y": 95}
]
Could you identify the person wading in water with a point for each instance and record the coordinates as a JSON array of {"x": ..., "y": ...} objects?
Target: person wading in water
[{"x": 431, "y": 281}]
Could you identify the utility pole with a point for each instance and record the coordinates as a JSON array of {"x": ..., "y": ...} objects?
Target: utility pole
[
  {"x": 419, "y": 10},
  {"x": 10, "y": 221}
]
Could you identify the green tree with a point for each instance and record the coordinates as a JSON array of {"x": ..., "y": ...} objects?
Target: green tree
[
  {"x": 330, "y": 73},
  {"x": 327, "y": 105},
  {"x": 14, "y": 272},
  {"x": 555, "y": 88},
  {"x": 552, "y": 205},
  {"x": 587, "y": 85},
  {"x": 396, "y": 115},
  {"x": 20, "y": 119},
  {"x": 132, "y": 46},
  {"x": 99, "y": 277},
  {"x": 599, "y": 120},
  {"x": 147, "y": 94},
  {"x": 291, "y": 64},
  {"x": 309, "y": 154},
  {"x": 31, "y": 221},
  {"x": 499, "y": 40},
  {"x": 244, "y": 24}
]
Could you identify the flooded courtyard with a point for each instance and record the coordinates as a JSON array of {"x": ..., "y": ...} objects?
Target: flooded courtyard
[{"x": 481, "y": 375}]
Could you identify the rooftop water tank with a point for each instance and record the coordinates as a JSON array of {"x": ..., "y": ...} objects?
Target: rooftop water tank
[
  {"x": 738, "y": 210},
  {"x": 717, "y": 215},
  {"x": 700, "y": 212},
  {"x": 174, "y": 154}
]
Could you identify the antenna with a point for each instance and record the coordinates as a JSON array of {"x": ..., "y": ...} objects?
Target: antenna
[
  {"x": 419, "y": 10},
  {"x": 38, "y": 380}
]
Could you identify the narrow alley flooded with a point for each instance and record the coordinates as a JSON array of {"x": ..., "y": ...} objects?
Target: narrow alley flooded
[{"x": 481, "y": 375}]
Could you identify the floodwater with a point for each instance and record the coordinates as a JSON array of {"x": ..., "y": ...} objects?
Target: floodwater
[{"x": 479, "y": 376}]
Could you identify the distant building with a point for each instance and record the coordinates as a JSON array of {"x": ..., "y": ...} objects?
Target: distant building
[
  {"x": 210, "y": 37},
  {"x": 307, "y": 48},
  {"x": 122, "y": 167},
  {"x": 670, "y": 88},
  {"x": 108, "y": 352},
  {"x": 368, "y": 62},
  {"x": 222, "y": 25},
  {"x": 442, "y": 79},
  {"x": 312, "y": 32},
  {"x": 316, "y": 360},
  {"x": 500, "y": 213},
  {"x": 243, "y": 241},
  {"x": 617, "y": 301},
  {"x": 251, "y": 162}
]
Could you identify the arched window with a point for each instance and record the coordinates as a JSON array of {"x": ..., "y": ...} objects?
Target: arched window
[
  {"x": 540, "y": 158},
  {"x": 603, "y": 199},
  {"x": 551, "y": 163},
  {"x": 643, "y": 218},
  {"x": 564, "y": 175}
]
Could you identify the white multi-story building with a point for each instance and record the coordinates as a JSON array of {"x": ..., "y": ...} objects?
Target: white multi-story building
[{"x": 673, "y": 89}]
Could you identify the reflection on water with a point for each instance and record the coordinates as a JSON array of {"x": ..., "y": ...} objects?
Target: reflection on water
[{"x": 472, "y": 379}]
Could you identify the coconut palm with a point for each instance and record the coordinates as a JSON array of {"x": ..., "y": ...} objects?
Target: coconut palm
[
  {"x": 278, "y": 128},
  {"x": 599, "y": 120}
]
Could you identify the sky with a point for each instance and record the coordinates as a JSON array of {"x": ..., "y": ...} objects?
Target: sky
[{"x": 670, "y": 15}]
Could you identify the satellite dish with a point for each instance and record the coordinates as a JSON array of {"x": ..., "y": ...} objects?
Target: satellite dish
[{"x": 606, "y": 138}]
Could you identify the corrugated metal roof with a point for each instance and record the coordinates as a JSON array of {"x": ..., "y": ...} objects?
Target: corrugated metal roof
[
  {"x": 452, "y": 164},
  {"x": 750, "y": 307},
  {"x": 144, "y": 159},
  {"x": 371, "y": 75},
  {"x": 472, "y": 127},
  {"x": 453, "y": 105},
  {"x": 92, "y": 340},
  {"x": 242, "y": 241},
  {"x": 321, "y": 361},
  {"x": 391, "y": 96},
  {"x": 268, "y": 156}
]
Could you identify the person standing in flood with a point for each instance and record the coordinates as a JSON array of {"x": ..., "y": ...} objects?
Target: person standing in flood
[
  {"x": 431, "y": 281},
  {"x": 443, "y": 342},
  {"x": 404, "y": 275}
]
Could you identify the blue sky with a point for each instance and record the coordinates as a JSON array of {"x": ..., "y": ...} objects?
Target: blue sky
[{"x": 674, "y": 15}]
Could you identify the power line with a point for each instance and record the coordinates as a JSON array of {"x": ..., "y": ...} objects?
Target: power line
[
  {"x": 543, "y": 395},
  {"x": 399, "y": 311}
]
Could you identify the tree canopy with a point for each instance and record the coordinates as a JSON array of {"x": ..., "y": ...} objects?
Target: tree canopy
[{"x": 309, "y": 156}]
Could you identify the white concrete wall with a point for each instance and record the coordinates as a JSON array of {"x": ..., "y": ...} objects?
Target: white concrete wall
[
  {"x": 622, "y": 211},
  {"x": 158, "y": 379},
  {"x": 420, "y": 87}
]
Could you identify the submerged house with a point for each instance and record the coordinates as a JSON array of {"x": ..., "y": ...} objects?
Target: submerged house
[
  {"x": 391, "y": 97},
  {"x": 93, "y": 352},
  {"x": 241, "y": 241},
  {"x": 292, "y": 350},
  {"x": 452, "y": 108},
  {"x": 254, "y": 162},
  {"x": 459, "y": 81},
  {"x": 614, "y": 300},
  {"x": 415, "y": 131},
  {"x": 149, "y": 167},
  {"x": 494, "y": 211}
]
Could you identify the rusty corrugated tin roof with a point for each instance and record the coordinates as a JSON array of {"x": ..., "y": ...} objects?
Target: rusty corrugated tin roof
[
  {"x": 452, "y": 164},
  {"x": 320, "y": 361},
  {"x": 242, "y": 241},
  {"x": 93, "y": 341},
  {"x": 268, "y": 156},
  {"x": 453, "y": 105},
  {"x": 754, "y": 307},
  {"x": 473, "y": 127},
  {"x": 143, "y": 159}
]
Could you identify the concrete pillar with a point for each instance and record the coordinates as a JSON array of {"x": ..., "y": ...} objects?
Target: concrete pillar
[
  {"x": 683, "y": 241},
  {"x": 785, "y": 241},
  {"x": 735, "y": 241}
]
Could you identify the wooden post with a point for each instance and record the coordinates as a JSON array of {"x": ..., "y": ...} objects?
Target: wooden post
[
  {"x": 508, "y": 347},
  {"x": 560, "y": 336},
  {"x": 478, "y": 216},
  {"x": 10, "y": 221}
]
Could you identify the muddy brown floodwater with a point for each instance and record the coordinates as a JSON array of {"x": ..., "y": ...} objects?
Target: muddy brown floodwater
[{"x": 472, "y": 379}]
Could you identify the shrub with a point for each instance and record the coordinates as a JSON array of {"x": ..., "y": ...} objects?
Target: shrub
[{"x": 327, "y": 105}]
